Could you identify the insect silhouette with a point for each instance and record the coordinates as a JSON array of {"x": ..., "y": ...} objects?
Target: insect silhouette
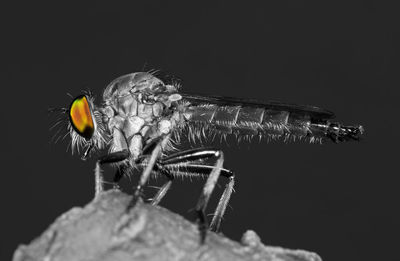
[{"x": 141, "y": 120}]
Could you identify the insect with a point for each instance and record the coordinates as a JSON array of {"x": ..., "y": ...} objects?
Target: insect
[{"x": 141, "y": 120}]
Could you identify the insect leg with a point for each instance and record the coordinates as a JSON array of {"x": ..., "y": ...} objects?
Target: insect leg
[
  {"x": 180, "y": 162},
  {"x": 186, "y": 164},
  {"x": 121, "y": 170},
  {"x": 147, "y": 171},
  {"x": 191, "y": 169},
  {"x": 110, "y": 158},
  {"x": 164, "y": 189},
  {"x": 189, "y": 155},
  {"x": 222, "y": 204},
  {"x": 201, "y": 154},
  {"x": 206, "y": 193},
  {"x": 183, "y": 169}
]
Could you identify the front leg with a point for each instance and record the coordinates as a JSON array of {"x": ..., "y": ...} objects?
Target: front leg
[
  {"x": 113, "y": 157},
  {"x": 155, "y": 154}
]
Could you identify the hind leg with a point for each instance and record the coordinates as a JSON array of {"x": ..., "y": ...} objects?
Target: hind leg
[{"x": 189, "y": 163}]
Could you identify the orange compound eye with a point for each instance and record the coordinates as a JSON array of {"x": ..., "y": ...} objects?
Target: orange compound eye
[{"x": 81, "y": 117}]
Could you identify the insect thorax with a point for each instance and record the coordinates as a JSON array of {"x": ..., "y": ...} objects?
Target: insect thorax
[{"x": 138, "y": 108}]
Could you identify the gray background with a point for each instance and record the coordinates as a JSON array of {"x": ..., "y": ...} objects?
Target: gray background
[{"x": 340, "y": 200}]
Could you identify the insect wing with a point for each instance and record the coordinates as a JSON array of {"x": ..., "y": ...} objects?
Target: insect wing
[{"x": 312, "y": 111}]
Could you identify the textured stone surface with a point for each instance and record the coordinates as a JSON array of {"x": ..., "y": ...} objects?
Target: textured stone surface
[{"x": 102, "y": 230}]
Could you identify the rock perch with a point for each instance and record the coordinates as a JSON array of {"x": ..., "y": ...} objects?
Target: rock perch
[{"x": 103, "y": 231}]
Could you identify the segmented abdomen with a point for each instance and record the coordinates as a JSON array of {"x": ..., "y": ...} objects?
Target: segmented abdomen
[
  {"x": 266, "y": 122},
  {"x": 247, "y": 120}
]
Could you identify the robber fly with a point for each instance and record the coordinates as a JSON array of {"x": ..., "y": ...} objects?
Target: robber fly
[{"x": 141, "y": 119}]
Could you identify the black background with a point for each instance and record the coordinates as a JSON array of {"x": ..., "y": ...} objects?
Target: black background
[{"x": 339, "y": 200}]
